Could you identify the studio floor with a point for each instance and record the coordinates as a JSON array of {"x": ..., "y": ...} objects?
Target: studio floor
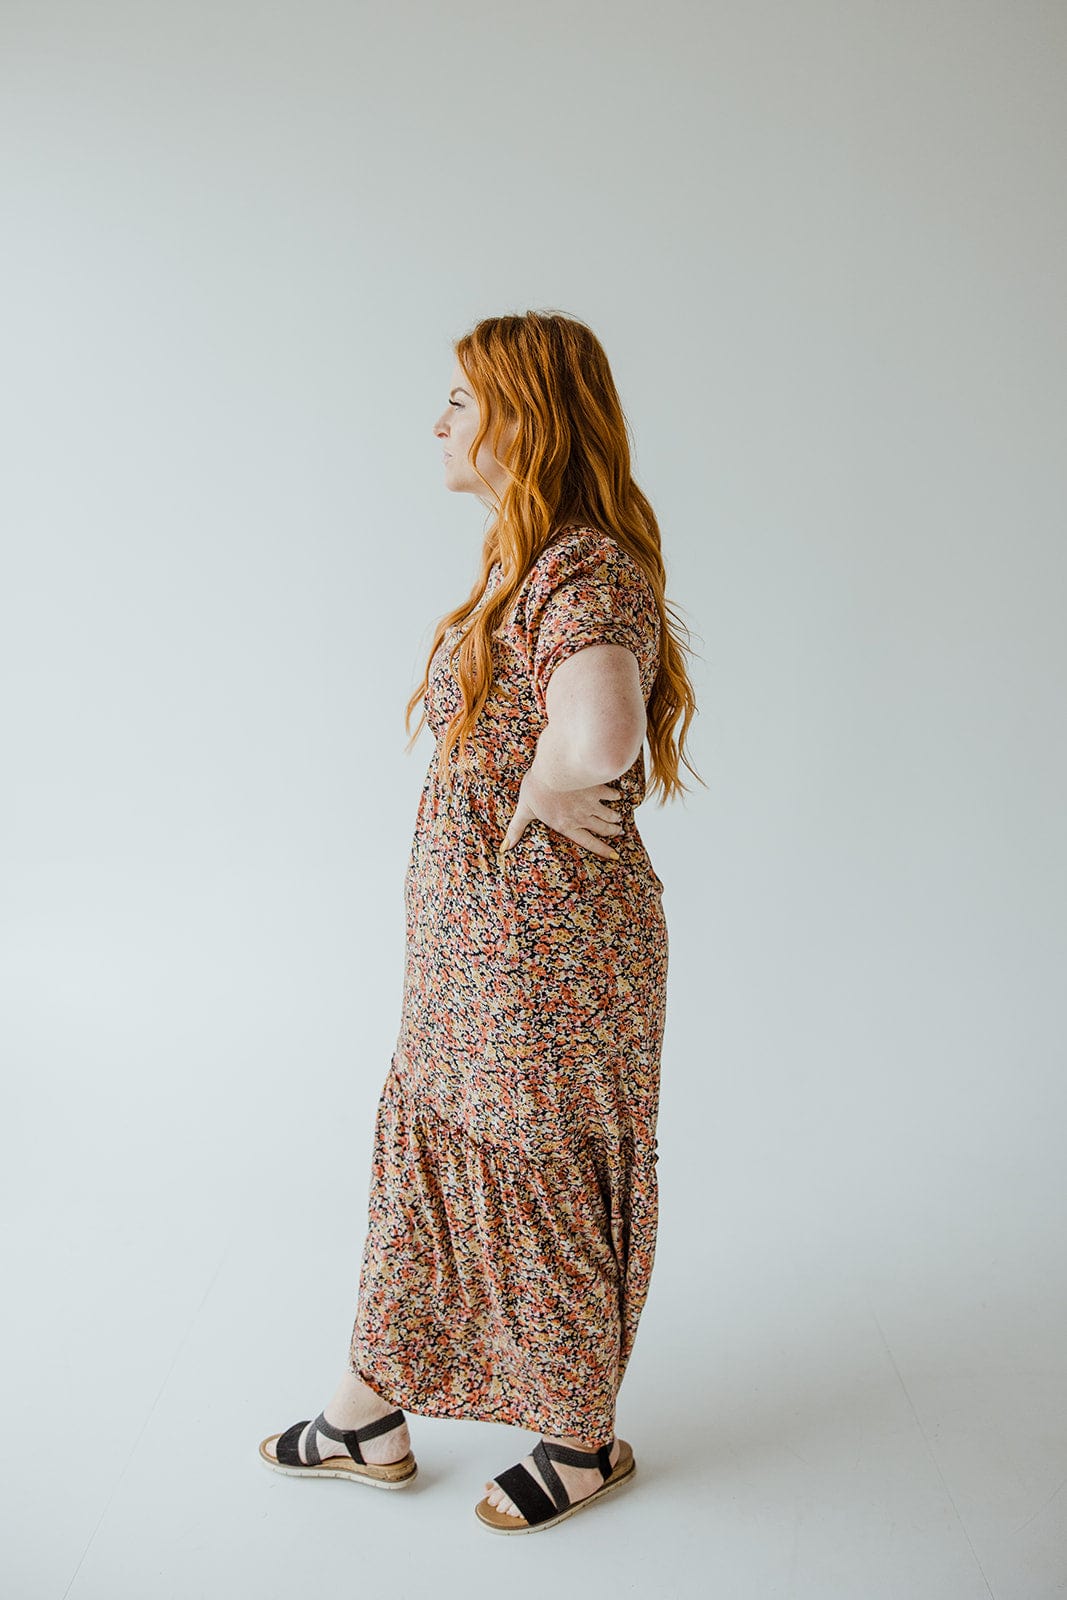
[{"x": 860, "y": 1445}]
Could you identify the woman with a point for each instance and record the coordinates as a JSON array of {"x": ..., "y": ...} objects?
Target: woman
[{"x": 513, "y": 1194}]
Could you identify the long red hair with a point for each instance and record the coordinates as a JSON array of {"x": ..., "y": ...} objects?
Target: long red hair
[{"x": 569, "y": 466}]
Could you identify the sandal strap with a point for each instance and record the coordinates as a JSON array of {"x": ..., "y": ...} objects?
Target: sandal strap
[
  {"x": 386, "y": 1424},
  {"x": 287, "y": 1447},
  {"x": 520, "y": 1485},
  {"x": 573, "y": 1458},
  {"x": 552, "y": 1478},
  {"x": 289, "y": 1443},
  {"x": 351, "y": 1437}
]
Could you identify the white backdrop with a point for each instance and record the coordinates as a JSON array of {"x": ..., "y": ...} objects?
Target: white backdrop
[{"x": 824, "y": 247}]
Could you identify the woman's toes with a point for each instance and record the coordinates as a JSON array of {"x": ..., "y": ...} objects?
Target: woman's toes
[{"x": 500, "y": 1502}]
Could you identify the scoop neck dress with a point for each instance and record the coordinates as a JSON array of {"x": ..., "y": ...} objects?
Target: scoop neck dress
[{"x": 513, "y": 1191}]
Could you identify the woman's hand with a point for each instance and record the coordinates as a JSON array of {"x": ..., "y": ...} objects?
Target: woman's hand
[{"x": 579, "y": 814}]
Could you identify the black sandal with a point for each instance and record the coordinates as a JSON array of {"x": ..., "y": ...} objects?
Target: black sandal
[
  {"x": 538, "y": 1510},
  {"x": 393, "y": 1475}
]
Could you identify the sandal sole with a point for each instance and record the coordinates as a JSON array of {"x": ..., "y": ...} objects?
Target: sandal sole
[
  {"x": 394, "y": 1475},
  {"x": 499, "y": 1522}
]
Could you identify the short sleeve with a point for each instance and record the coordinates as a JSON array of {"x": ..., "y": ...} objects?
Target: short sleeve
[{"x": 582, "y": 591}]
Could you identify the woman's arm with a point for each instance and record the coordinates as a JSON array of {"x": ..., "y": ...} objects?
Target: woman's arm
[
  {"x": 596, "y": 719},
  {"x": 596, "y": 727}
]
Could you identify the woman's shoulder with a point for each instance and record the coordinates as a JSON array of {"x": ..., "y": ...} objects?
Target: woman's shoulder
[
  {"x": 574, "y": 550},
  {"x": 586, "y": 552},
  {"x": 583, "y": 573},
  {"x": 578, "y": 533}
]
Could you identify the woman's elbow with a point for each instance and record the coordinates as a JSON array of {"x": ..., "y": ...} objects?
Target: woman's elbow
[{"x": 614, "y": 748}]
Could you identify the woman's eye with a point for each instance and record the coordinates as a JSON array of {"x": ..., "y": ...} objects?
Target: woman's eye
[{"x": 455, "y": 403}]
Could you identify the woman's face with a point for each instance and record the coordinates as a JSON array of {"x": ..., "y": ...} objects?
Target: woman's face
[{"x": 456, "y": 428}]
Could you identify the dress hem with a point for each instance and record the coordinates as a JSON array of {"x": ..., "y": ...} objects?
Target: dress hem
[{"x": 457, "y": 1411}]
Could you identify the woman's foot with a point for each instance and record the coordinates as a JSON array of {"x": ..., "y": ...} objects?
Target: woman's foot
[
  {"x": 579, "y": 1482},
  {"x": 354, "y": 1405}
]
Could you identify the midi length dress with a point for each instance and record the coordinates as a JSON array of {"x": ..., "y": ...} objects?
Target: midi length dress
[{"x": 513, "y": 1190}]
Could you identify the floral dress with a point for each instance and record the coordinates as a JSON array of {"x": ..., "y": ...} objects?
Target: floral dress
[{"x": 513, "y": 1190}]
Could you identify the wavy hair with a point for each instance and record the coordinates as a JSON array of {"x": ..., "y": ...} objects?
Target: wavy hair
[{"x": 569, "y": 466}]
